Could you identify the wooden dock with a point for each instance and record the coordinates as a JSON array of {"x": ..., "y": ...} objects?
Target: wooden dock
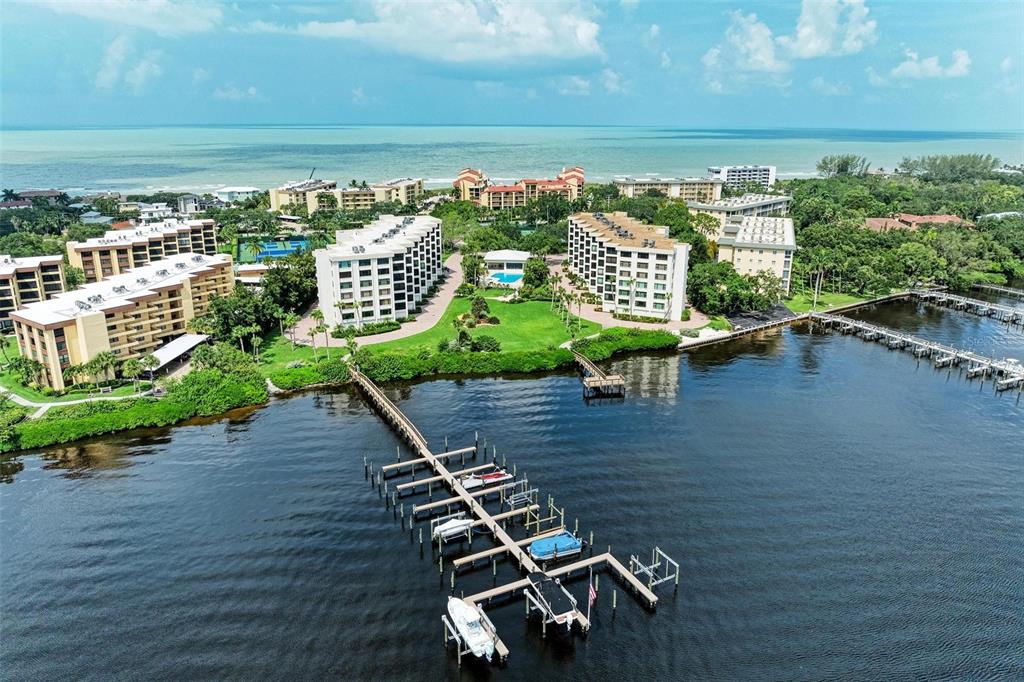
[
  {"x": 1005, "y": 313},
  {"x": 596, "y": 382},
  {"x": 1008, "y": 373},
  {"x": 1005, "y": 291},
  {"x": 472, "y": 503}
]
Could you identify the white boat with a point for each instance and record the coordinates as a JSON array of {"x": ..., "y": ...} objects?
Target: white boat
[
  {"x": 466, "y": 620},
  {"x": 472, "y": 481},
  {"x": 452, "y": 528}
]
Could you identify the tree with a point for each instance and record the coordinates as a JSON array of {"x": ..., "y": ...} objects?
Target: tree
[
  {"x": 10, "y": 195},
  {"x": 479, "y": 307},
  {"x": 74, "y": 277},
  {"x": 150, "y": 362},
  {"x": 835, "y": 165},
  {"x": 131, "y": 369},
  {"x": 102, "y": 365},
  {"x": 290, "y": 322},
  {"x": 535, "y": 273},
  {"x": 313, "y": 331},
  {"x": 472, "y": 268},
  {"x": 27, "y": 369},
  {"x": 318, "y": 317}
]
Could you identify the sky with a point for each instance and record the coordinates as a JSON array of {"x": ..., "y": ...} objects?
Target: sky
[{"x": 908, "y": 65}]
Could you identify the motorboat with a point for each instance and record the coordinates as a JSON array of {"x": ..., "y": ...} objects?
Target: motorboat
[
  {"x": 468, "y": 624},
  {"x": 556, "y": 547},
  {"x": 452, "y": 528},
  {"x": 472, "y": 481},
  {"x": 559, "y": 604}
]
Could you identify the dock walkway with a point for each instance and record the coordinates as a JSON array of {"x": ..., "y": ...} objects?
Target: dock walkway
[
  {"x": 1006, "y": 313},
  {"x": 1005, "y": 291},
  {"x": 595, "y": 380}
]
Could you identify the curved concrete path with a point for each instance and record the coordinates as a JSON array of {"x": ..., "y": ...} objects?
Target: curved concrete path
[{"x": 43, "y": 407}]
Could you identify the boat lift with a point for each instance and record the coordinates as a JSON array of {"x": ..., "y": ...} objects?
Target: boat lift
[
  {"x": 655, "y": 572},
  {"x": 447, "y": 536},
  {"x": 546, "y": 606},
  {"x": 451, "y": 634}
]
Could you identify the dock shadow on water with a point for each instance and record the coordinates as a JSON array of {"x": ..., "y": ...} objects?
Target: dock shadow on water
[{"x": 839, "y": 511}]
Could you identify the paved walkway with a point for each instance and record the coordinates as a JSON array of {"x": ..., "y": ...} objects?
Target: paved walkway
[
  {"x": 43, "y": 407},
  {"x": 427, "y": 318},
  {"x": 590, "y": 312}
]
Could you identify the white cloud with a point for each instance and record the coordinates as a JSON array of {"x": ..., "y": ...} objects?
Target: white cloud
[
  {"x": 613, "y": 83},
  {"x": 828, "y": 89},
  {"x": 113, "y": 59},
  {"x": 165, "y": 17},
  {"x": 144, "y": 71},
  {"x": 359, "y": 96},
  {"x": 666, "y": 61},
  {"x": 876, "y": 79},
  {"x": 463, "y": 31},
  {"x": 654, "y": 31},
  {"x": 629, "y": 5},
  {"x": 747, "y": 54},
  {"x": 200, "y": 75},
  {"x": 232, "y": 93},
  {"x": 830, "y": 28},
  {"x": 916, "y": 68},
  {"x": 574, "y": 86},
  {"x": 1006, "y": 65}
]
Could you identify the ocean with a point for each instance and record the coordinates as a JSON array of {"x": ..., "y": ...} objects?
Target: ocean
[{"x": 205, "y": 158}]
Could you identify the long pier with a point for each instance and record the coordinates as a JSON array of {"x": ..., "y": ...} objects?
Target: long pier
[
  {"x": 596, "y": 381},
  {"x": 1008, "y": 374},
  {"x": 1005, "y": 291},
  {"x": 472, "y": 502},
  {"x": 1006, "y": 313}
]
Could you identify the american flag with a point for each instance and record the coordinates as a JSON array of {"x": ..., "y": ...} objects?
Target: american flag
[{"x": 593, "y": 596}]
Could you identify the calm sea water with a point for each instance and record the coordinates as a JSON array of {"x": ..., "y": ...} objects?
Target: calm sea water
[
  {"x": 204, "y": 158},
  {"x": 839, "y": 511}
]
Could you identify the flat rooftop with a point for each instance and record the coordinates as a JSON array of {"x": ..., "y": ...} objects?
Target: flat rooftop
[
  {"x": 759, "y": 231},
  {"x": 119, "y": 290},
  {"x": 305, "y": 185},
  {"x": 397, "y": 182},
  {"x": 385, "y": 234},
  {"x": 9, "y": 264},
  {"x": 741, "y": 202},
  {"x": 632, "y": 180},
  {"x": 140, "y": 233},
  {"x": 623, "y": 230}
]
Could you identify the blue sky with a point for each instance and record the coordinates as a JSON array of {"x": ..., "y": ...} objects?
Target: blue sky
[{"x": 733, "y": 63}]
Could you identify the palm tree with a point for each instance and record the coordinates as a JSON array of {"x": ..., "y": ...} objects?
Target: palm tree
[
  {"x": 257, "y": 341},
  {"x": 290, "y": 321},
  {"x": 357, "y": 305},
  {"x": 631, "y": 283},
  {"x": 322, "y": 329},
  {"x": 240, "y": 333},
  {"x": 132, "y": 368},
  {"x": 71, "y": 373},
  {"x": 350, "y": 341},
  {"x": 10, "y": 195},
  {"x": 105, "y": 362},
  {"x": 312, "y": 337},
  {"x": 318, "y": 316},
  {"x": 668, "y": 305}
]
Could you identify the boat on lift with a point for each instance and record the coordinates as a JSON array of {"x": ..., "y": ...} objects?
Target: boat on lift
[
  {"x": 467, "y": 622},
  {"x": 473, "y": 481},
  {"x": 454, "y": 527},
  {"x": 556, "y": 547},
  {"x": 557, "y": 602}
]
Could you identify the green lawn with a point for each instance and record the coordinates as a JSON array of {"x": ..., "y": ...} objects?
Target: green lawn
[
  {"x": 801, "y": 303},
  {"x": 719, "y": 323},
  {"x": 524, "y": 326},
  {"x": 276, "y": 352}
]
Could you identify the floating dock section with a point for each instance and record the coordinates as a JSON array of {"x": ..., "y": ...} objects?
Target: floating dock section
[
  {"x": 537, "y": 519},
  {"x": 1008, "y": 374},
  {"x": 1005, "y": 313},
  {"x": 597, "y": 383}
]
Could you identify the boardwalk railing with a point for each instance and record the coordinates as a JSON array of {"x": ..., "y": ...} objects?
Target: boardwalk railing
[
  {"x": 1006, "y": 313},
  {"x": 596, "y": 380},
  {"x": 1006, "y": 291}
]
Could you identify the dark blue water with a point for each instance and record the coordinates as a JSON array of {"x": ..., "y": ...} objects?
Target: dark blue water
[{"x": 839, "y": 511}]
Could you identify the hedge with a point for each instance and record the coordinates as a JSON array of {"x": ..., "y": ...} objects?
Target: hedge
[
  {"x": 388, "y": 366},
  {"x": 327, "y": 372},
  {"x": 619, "y": 340}
]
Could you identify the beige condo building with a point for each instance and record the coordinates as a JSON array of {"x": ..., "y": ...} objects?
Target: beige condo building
[
  {"x": 27, "y": 280},
  {"x": 118, "y": 251},
  {"x": 130, "y": 314},
  {"x": 754, "y": 244},
  {"x": 315, "y": 194},
  {"x": 687, "y": 189}
]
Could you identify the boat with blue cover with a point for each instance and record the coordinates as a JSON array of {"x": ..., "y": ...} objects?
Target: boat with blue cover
[{"x": 556, "y": 547}]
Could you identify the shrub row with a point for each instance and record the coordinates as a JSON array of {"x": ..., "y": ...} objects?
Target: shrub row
[
  {"x": 385, "y": 366},
  {"x": 332, "y": 371},
  {"x": 619, "y": 340},
  {"x": 368, "y": 329}
]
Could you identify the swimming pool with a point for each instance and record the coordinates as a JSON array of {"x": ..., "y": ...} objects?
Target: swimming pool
[
  {"x": 506, "y": 277},
  {"x": 280, "y": 249}
]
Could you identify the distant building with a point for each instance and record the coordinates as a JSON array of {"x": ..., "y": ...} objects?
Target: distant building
[
  {"x": 250, "y": 274},
  {"x": 189, "y": 204},
  {"x": 632, "y": 267},
  {"x": 28, "y": 280},
  {"x": 747, "y": 205},
  {"x": 379, "y": 272},
  {"x": 473, "y": 185},
  {"x": 506, "y": 266},
  {"x": 688, "y": 189},
  {"x": 315, "y": 194},
  {"x": 51, "y": 196},
  {"x": 130, "y": 315},
  {"x": 95, "y": 218},
  {"x": 232, "y": 194},
  {"x": 738, "y": 177},
  {"x": 402, "y": 190},
  {"x": 149, "y": 213},
  {"x": 15, "y": 203},
  {"x": 118, "y": 251},
  {"x": 753, "y": 244},
  {"x": 909, "y": 221}
]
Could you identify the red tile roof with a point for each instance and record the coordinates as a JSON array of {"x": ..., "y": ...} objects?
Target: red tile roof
[{"x": 505, "y": 188}]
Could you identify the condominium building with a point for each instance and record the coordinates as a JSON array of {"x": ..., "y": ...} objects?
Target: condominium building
[
  {"x": 747, "y": 205},
  {"x": 130, "y": 315},
  {"x": 473, "y": 185},
  {"x": 753, "y": 244},
  {"x": 738, "y": 177},
  {"x": 120, "y": 250},
  {"x": 379, "y": 272},
  {"x": 632, "y": 267},
  {"x": 402, "y": 190},
  {"x": 315, "y": 194},
  {"x": 688, "y": 189},
  {"x": 27, "y": 280},
  {"x": 230, "y": 194}
]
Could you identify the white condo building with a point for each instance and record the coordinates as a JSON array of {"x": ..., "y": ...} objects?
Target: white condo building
[
  {"x": 737, "y": 177},
  {"x": 753, "y": 244},
  {"x": 747, "y": 205},
  {"x": 381, "y": 271},
  {"x": 632, "y": 267}
]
